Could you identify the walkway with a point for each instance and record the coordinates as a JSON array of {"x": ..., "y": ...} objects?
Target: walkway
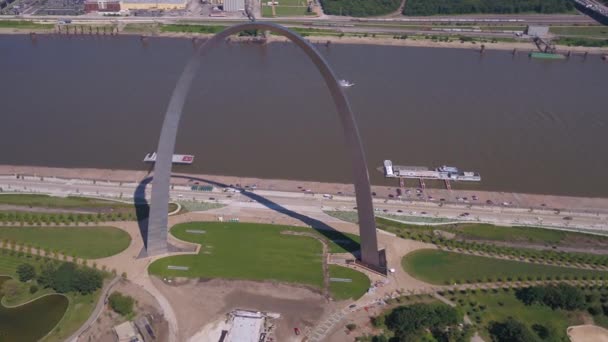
[{"x": 95, "y": 314}]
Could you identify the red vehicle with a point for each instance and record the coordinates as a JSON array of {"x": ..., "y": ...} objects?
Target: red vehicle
[{"x": 296, "y": 331}]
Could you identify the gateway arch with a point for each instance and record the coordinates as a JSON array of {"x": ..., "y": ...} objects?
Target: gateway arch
[{"x": 156, "y": 240}]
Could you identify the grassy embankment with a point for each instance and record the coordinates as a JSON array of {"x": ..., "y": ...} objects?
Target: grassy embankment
[
  {"x": 484, "y": 308},
  {"x": 192, "y": 28},
  {"x": 80, "y": 306},
  {"x": 35, "y": 209},
  {"x": 488, "y": 239},
  {"x": 287, "y": 8},
  {"x": 590, "y": 36},
  {"x": 257, "y": 252},
  {"x": 87, "y": 243},
  {"x": 343, "y": 290},
  {"x": 24, "y": 25},
  {"x": 441, "y": 268}
]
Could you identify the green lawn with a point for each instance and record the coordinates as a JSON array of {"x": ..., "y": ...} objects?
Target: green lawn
[
  {"x": 341, "y": 290},
  {"x": 582, "y": 41},
  {"x": 285, "y": 11},
  {"x": 84, "y": 242},
  {"x": 23, "y": 24},
  {"x": 489, "y": 232},
  {"x": 246, "y": 251},
  {"x": 70, "y": 202},
  {"x": 595, "y": 31},
  {"x": 440, "y": 267},
  {"x": 9, "y": 260},
  {"x": 512, "y": 234},
  {"x": 499, "y": 306},
  {"x": 79, "y": 310},
  {"x": 192, "y": 28},
  {"x": 80, "y": 306}
]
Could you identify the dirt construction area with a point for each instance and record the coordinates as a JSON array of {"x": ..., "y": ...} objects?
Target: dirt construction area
[
  {"x": 198, "y": 303},
  {"x": 587, "y": 333},
  {"x": 145, "y": 306}
]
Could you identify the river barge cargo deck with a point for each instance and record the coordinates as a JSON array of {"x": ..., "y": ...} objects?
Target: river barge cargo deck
[{"x": 544, "y": 55}]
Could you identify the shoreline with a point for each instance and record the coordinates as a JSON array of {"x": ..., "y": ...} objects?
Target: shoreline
[
  {"x": 517, "y": 47},
  {"x": 592, "y": 205}
]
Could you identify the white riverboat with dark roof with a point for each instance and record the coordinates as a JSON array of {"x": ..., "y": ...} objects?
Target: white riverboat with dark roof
[{"x": 444, "y": 172}]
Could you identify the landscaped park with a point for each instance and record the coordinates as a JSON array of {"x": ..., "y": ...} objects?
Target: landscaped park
[
  {"x": 37, "y": 209},
  {"x": 264, "y": 252},
  {"x": 48, "y": 245},
  {"x": 49, "y": 284},
  {"x": 517, "y": 290}
]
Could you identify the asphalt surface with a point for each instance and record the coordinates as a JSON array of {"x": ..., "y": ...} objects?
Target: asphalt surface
[{"x": 314, "y": 204}]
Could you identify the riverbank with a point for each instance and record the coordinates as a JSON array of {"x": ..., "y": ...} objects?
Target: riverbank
[
  {"x": 422, "y": 39},
  {"x": 506, "y": 199}
]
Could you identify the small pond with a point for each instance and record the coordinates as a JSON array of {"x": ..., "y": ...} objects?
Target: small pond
[{"x": 32, "y": 321}]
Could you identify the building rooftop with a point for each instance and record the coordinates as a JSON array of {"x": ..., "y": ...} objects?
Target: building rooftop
[
  {"x": 246, "y": 327},
  {"x": 126, "y": 332},
  {"x": 177, "y": 2}
]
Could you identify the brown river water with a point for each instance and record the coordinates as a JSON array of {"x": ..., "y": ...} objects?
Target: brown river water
[{"x": 263, "y": 111}]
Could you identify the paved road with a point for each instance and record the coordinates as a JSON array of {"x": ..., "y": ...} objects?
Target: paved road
[
  {"x": 314, "y": 204},
  {"x": 561, "y": 19}
]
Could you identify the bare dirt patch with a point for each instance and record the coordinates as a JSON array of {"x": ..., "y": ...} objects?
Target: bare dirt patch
[
  {"x": 199, "y": 303},
  {"x": 145, "y": 305},
  {"x": 587, "y": 333}
]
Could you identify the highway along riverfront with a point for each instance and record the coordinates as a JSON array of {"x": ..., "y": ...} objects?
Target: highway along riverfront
[{"x": 526, "y": 125}]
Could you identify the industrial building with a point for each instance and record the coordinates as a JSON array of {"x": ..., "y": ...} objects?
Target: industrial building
[
  {"x": 234, "y": 5},
  {"x": 153, "y": 4},
  {"x": 126, "y": 332},
  {"x": 537, "y": 31},
  {"x": 108, "y": 6}
]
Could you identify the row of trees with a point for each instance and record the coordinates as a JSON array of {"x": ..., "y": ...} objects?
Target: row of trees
[
  {"x": 561, "y": 296},
  {"x": 529, "y": 277},
  {"x": 360, "y": 8},
  {"x": 408, "y": 323},
  {"x": 446, "y": 7},
  {"x": 512, "y": 330},
  {"x": 544, "y": 256},
  {"x": 63, "y": 278},
  {"x": 67, "y": 277},
  {"x": 27, "y": 218},
  {"x": 10, "y": 247}
]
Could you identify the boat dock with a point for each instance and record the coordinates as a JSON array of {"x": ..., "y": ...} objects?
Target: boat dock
[
  {"x": 444, "y": 173},
  {"x": 177, "y": 158}
]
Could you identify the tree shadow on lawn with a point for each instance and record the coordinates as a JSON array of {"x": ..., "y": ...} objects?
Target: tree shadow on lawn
[{"x": 142, "y": 208}]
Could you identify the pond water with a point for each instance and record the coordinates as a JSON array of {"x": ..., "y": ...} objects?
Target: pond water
[{"x": 32, "y": 321}]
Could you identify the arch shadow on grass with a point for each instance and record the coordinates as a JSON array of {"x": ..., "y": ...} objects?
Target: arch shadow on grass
[
  {"x": 345, "y": 242},
  {"x": 142, "y": 208}
]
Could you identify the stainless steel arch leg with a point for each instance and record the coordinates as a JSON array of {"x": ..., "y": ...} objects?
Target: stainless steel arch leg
[{"x": 157, "y": 229}]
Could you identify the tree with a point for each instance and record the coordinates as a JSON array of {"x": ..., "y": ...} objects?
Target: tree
[
  {"x": 562, "y": 296},
  {"x": 121, "y": 304},
  {"x": 45, "y": 279},
  {"x": 26, "y": 272},
  {"x": 408, "y": 321},
  {"x": 87, "y": 280},
  {"x": 359, "y": 8},
  {"x": 511, "y": 330},
  {"x": 63, "y": 278}
]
